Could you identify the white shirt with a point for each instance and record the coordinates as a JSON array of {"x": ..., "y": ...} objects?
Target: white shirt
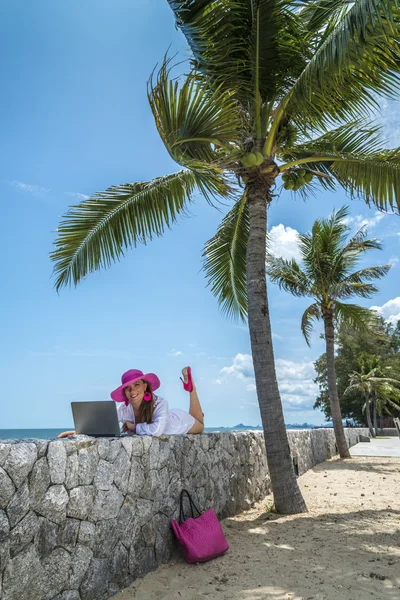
[{"x": 168, "y": 422}]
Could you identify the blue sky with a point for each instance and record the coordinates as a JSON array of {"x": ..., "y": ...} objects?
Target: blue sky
[{"x": 74, "y": 120}]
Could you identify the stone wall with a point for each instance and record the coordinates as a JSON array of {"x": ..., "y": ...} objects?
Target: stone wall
[
  {"x": 388, "y": 431},
  {"x": 82, "y": 518}
]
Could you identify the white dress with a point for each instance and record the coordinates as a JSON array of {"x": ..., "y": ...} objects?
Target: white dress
[{"x": 168, "y": 422}]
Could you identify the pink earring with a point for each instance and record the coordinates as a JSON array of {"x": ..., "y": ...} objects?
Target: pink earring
[{"x": 147, "y": 396}]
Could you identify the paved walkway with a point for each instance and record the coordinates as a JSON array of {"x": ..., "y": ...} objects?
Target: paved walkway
[{"x": 386, "y": 447}]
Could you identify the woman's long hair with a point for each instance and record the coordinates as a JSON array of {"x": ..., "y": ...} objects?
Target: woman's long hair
[{"x": 146, "y": 409}]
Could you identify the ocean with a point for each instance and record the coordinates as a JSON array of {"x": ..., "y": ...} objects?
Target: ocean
[{"x": 47, "y": 434}]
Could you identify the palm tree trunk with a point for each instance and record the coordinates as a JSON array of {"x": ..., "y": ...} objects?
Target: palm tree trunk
[
  {"x": 374, "y": 416},
  {"x": 287, "y": 495},
  {"x": 368, "y": 413},
  {"x": 332, "y": 387}
]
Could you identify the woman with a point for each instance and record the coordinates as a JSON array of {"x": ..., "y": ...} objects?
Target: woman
[{"x": 142, "y": 412}]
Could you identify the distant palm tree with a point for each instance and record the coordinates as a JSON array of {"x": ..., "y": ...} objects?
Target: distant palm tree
[
  {"x": 275, "y": 87},
  {"x": 327, "y": 275},
  {"x": 377, "y": 388}
]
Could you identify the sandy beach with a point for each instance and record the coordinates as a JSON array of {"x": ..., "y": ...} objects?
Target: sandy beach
[{"x": 347, "y": 547}]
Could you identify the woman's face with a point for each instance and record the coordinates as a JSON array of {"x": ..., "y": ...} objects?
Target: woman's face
[{"x": 135, "y": 392}]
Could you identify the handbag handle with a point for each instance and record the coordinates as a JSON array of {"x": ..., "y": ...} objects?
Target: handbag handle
[{"x": 193, "y": 507}]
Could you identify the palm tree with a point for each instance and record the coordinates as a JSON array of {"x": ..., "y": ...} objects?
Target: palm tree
[
  {"x": 274, "y": 87},
  {"x": 377, "y": 387},
  {"x": 327, "y": 276}
]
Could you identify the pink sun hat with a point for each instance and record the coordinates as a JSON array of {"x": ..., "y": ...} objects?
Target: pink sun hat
[{"x": 130, "y": 377}]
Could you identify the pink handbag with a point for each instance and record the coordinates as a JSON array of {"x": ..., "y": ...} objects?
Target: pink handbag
[{"x": 201, "y": 537}]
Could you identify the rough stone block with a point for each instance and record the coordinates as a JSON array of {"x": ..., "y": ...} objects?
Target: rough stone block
[
  {"x": 71, "y": 471},
  {"x": 154, "y": 453},
  {"x": 4, "y": 555},
  {"x": 23, "y": 533},
  {"x": 68, "y": 534},
  {"x": 128, "y": 527},
  {"x": 142, "y": 561},
  {"x": 4, "y": 451},
  {"x": 105, "y": 539},
  {"x": 7, "y": 489},
  {"x": 103, "y": 446},
  {"x": 24, "y": 577},
  {"x": 80, "y": 562},
  {"x": 41, "y": 446},
  {"x": 19, "y": 505},
  {"x": 86, "y": 533},
  {"x": 127, "y": 443},
  {"x": 113, "y": 451},
  {"x": 144, "y": 510},
  {"x": 68, "y": 595},
  {"x": 46, "y": 537},
  {"x": 88, "y": 459},
  {"x": 137, "y": 446},
  {"x": 57, "y": 459},
  {"x": 95, "y": 582},
  {"x": 122, "y": 467},
  {"x": 39, "y": 480},
  {"x": 164, "y": 539},
  {"x": 56, "y": 568},
  {"x": 136, "y": 477},
  {"x": 4, "y": 526},
  {"x": 104, "y": 477},
  {"x": 20, "y": 461},
  {"x": 80, "y": 502},
  {"x": 118, "y": 566},
  {"x": 364, "y": 438},
  {"x": 106, "y": 504},
  {"x": 54, "y": 504}
]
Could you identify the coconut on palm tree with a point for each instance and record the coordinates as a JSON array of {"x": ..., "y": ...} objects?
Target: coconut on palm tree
[
  {"x": 379, "y": 387},
  {"x": 327, "y": 275},
  {"x": 274, "y": 88}
]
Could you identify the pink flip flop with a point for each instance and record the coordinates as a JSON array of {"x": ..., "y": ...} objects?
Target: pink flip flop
[{"x": 189, "y": 385}]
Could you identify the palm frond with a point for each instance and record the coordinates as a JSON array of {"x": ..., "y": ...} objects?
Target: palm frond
[
  {"x": 311, "y": 313},
  {"x": 344, "y": 290},
  {"x": 97, "y": 232},
  {"x": 288, "y": 275},
  {"x": 225, "y": 261},
  {"x": 349, "y": 256},
  {"x": 192, "y": 118},
  {"x": 222, "y": 35},
  {"x": 321, "y": 247},
  {"x": 374, "y": 177},
  {"x": 367, "y": 274},
  {"x": 356, "y": 159},
  {"x": 355, "y": 59},
  {"x": 357, "y": 317}
]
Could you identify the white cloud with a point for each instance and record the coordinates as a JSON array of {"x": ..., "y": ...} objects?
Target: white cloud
[
  {"x": 242, "y": 367},
  {"x": 393, "y": 261},
  {"x": 295, "y": 379},
  {"x": 390, "y": 310},
  {"x": 77, "y": 195},
  {"x": 283, "y": 242},
  {"x": 362, "y": 221},
  {"x": 174, "y": 352},
  {"x": 35, "y": 190}
]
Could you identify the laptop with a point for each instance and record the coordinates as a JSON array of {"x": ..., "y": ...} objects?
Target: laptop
[{"x": 98, "y": 419}]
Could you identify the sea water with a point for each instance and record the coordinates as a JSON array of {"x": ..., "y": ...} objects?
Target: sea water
[{"x": 48, "y": 434}]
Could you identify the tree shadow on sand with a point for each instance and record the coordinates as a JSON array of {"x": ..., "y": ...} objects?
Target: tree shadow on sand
[
  {"x": 356, "y": 466},
  {"x": 329, "y": 556}
]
